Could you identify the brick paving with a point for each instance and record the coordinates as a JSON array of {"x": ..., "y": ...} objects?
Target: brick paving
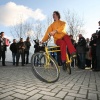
[{"x": 19, "y": 83}]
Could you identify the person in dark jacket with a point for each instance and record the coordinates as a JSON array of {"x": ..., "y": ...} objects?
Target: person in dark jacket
[
  {"x": 93, "y": 44},
  {"x": 36, "y": 46},
  {"x": 98, "y": 53},
  {"x": 27, "y": 48},
  {"x": 3, "y": 48},
  {"x": 98, "y": 50},
  {"x": 20, "y": 51},
  {"x": 81, "y": 50},
  {"x": 13, "y": 48}
]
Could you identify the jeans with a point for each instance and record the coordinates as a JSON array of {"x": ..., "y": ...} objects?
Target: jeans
[
  {"x": 18, "y": 57},
  {"x": 26, "y": 57},
  {"x": 14, "y": 55},
  {"x": 81, "y": 60}
]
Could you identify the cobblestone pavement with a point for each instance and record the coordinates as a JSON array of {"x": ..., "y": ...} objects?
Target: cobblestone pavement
[{"x": 19, "y": 83}]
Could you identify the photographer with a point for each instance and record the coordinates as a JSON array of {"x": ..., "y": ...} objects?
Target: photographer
[
  {"x": 93, "y": 44},
  {"x": 36, "y": 46},
  {"x": 98, "y": 53},
  {"x": 98, "y": 50}
]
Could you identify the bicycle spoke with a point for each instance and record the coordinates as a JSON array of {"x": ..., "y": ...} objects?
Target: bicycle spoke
[{"x": 45, "y": 67}]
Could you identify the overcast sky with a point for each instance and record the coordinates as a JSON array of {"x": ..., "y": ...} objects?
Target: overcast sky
[{"x": 41, "y": 9}]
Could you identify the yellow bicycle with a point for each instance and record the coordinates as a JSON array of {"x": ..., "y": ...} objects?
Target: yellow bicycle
[{"x": 45, "y": 67}]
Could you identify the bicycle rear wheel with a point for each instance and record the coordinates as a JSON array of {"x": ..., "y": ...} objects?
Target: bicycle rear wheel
[{"x": 44, "y": 68}]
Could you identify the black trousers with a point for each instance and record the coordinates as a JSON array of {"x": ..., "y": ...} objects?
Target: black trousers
[
  {"x": 94, "y": 61},
  {"x": 88, "y": 63},
  {"x": 18, "y": 57},
  {"x": 2, "y": 55},
  {"x": 59, "y": 58},
  {"x": 98, "y": 63},
  {"x": 26, "y": 57}
]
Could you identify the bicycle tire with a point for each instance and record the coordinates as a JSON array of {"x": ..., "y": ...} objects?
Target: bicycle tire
[
  {"x": 37, "y": 70},
  {"x": 68, "y": 68}
]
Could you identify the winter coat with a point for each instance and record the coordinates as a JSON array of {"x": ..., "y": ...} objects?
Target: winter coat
[{"x": 81, "y": 45}]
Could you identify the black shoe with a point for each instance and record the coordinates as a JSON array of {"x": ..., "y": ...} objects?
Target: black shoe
[
  {"x": 82, "y": 68},
  {"x": 23, "y": 65},
  {"x": 3, "y": 65},
  {"x": 64, "y": 66},
  {"x": 59, "y": 63},
  {"x": 73, "y": 56},
  {"x": 17, "y": 65}
]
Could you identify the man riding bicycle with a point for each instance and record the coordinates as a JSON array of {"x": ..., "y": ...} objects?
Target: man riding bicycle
[{"x": 58, "y": 30}]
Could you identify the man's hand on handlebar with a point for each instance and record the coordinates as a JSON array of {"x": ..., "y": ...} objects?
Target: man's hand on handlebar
[{"x": 53, "y": 32}]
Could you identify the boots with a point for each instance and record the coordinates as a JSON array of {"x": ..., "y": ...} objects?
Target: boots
[{"x": 64, "y": 67}]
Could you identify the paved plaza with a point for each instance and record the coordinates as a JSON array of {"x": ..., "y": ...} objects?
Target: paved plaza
[{"x": 19, "y": 83}]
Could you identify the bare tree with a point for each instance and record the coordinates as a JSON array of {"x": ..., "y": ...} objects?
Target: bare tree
[
  {"x": 34, "y": 30},
  {"x": 49, "y": 20},
  {"x": 75, "y": 23},
  {"x": 38, "y": 27},
  {"x": 47, "y": 23},
  {"x": 22, "y": 29}
]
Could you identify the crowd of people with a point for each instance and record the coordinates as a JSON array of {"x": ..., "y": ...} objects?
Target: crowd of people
[
  {"x": 86, "y": 52},
  {"x": 18, "y": 49}
]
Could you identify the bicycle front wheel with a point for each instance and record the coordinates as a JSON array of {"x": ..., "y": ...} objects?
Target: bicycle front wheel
[{"x": 45, "y": 68}]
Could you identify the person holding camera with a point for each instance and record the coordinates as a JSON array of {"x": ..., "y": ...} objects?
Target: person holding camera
[
  {"x": 36, "y": 46},
  {"x": 20, "y": 51},
  {"x": 98, "y": 53},
  {"x": 98, "y": 50},
  {"x": 93, "y": 44}
]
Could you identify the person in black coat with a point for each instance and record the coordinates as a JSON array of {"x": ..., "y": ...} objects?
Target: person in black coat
[
  {"x": 81, "y": 51},
  {"x": 98, "y": 53},
  {"x": 36, "y": 46},
  {"x": 93, "y": 44},
  {"x": 3, "y": 48},
  {"x": 20, "y": 51},
  {"x": 13, "y": 48},
  {"x": 27, "y": 48}
]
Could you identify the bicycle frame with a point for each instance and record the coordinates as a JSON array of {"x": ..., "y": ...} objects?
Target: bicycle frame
[{"x": 47, "y": 51}]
